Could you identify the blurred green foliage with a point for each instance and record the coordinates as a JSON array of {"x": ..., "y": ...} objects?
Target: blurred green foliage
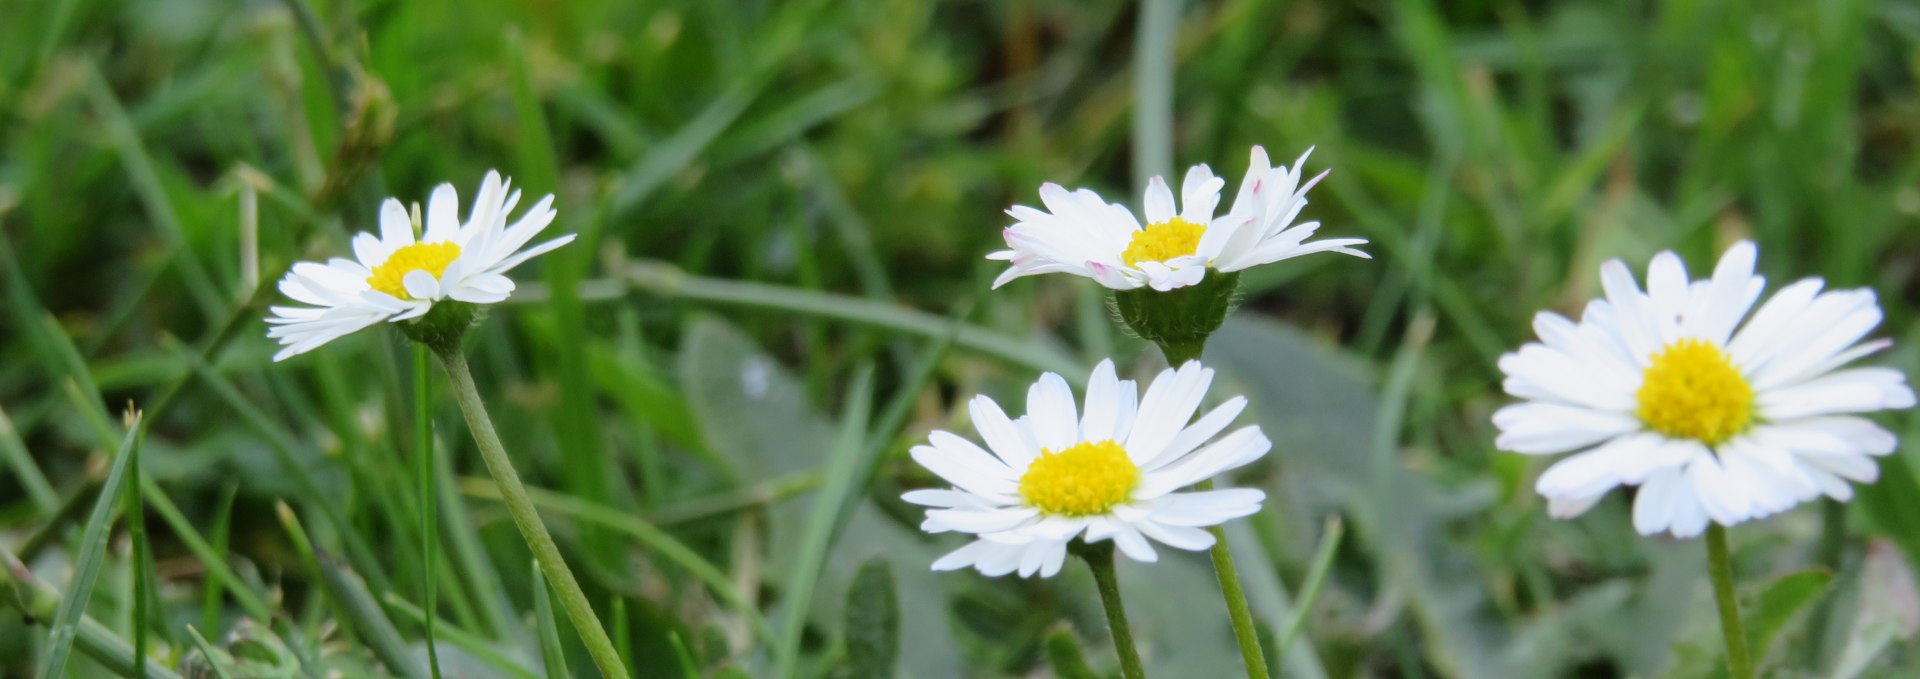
[{"x": 163, "y": 161}]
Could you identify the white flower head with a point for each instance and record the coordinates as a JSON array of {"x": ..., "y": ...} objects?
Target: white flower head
[
  {"x": 1109, "y": 470},
  {"x": 1081, "y": 234},
  {"x": 395, "y": 277},
  {"x": 1715, "y": 414}
]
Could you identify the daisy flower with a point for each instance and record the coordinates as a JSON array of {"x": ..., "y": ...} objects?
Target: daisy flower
[
  {"x": 1109, "y": 471},
  {"x": 1081, "y": 234},
  {"x": 395, "y": 278},
  {"x": 1717, "y": 415}
]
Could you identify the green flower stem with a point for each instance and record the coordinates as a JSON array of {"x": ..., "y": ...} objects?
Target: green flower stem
[
  {"x": 520, "y": 506},
  {"x": 1099, "y": 558},
  {"x": 1720, "y": 567},
  {"x": 1223, "y": 568},
  {"x": 423, "y": 459},
  {"x": 1237, "y": 609}
]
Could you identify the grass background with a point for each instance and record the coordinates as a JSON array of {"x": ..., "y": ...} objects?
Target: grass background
[{"x": 784, "y": 208}]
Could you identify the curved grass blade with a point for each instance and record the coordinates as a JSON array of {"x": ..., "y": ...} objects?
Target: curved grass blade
[{"x": 206, "y": 649}]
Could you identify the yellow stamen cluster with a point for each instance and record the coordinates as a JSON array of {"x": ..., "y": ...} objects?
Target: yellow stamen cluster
[
  {"x": 1162, "y": 241},
  {"x": 1693, "y": 391},
  {"x": 1083, "y": 480},
  {"x": 432, "y": 258}
]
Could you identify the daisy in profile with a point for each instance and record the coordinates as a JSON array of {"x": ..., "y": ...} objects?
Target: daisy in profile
[
  {"x": 1081, "y": 234},
  {"x": 399, "y": 279},
  {"x": 1110, "y": 470},
  {"x": 1716, "y": 414}
]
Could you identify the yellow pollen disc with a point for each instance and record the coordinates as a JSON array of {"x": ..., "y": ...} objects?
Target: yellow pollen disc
[
  {"x": 1162, "y": 241},
  {"x": 432, "y": 258},
  {"x": 1086, "y": 479},
  {"x": 1693, "y": 391}
]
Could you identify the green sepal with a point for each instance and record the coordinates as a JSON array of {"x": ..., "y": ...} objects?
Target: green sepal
[
  {"x": 1181, "y": 319},
  {"x": 443, "y": 327}
]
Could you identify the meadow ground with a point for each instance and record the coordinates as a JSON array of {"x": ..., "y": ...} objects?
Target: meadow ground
[{"x": 780, "y": 286}]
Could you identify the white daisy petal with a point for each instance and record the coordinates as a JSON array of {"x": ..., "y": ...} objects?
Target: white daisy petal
[
  {"x": 1206, "y": 507},
  {"x": 396, "y": 278},
  {"x": 1103, "y": 403},
  {"x": 1080, "y": 234},
  {"x": 422, "y": 285},
  {"x": 1025, "y": 507},
  {"x": 1178, "y": 537},
  {"x": 1050, "y": 404},
  {"x": 396, "y": 227},
  {"x": 1159, "y": 203},
  {"x": 1717, "y": 415},
  {"x": 1166, "y": 408},
  {"x": 443, "y": 222}
]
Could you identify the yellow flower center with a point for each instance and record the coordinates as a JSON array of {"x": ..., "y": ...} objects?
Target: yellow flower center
[
  {"x": 1083, "y": 480},
  {"x": 1162, "y": 241},
  {"x": 1693, "y": 390},
  {"x": 432, "y": 258}
]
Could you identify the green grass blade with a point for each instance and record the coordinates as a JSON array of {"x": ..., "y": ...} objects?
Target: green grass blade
[
  {"x": 423, "y": 474},
  {"x": 14, "y": 452},
  {"x": 210, "y": 593},
  {"x": 91, "y": 555},
  {"x": 1330, "y": 536},
  {"x": 480, "y": 575},
  {"x": 673, "y": 550},
  {"x": 688, "y": 669},
  {"x": 283, "y": 446},
  {"x": 484, "y": 649},
  {"x": 665, "y": 280},
  {"x": 551, "y": 653},
  {"x": 843, "y": 466},
  {"x": 349, "y": 595},
  {"x": 135, "y": 516},
  {"x": 213, "y": 557},
  {"x": 206, "y": 649},
  {"x": 160, "y": 209}
]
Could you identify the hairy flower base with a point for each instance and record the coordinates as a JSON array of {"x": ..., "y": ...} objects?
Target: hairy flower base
[
  {"x": 1181, "y": 318},
  {"x": 443, "y": 326}
]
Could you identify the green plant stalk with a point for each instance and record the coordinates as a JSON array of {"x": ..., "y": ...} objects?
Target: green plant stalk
[
  {"x": 514, "y": 495},
  {"x": 1237, "y": 609},
  {"x": 1099, "y": 557},
  {"x": 1720, "y": 568},
  {"x": 423, "y": 468}
]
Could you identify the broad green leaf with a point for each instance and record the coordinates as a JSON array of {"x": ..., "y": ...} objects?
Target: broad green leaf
[
  {"x": 1065, "y": 657},
  {"x": 754, "y": 414},
  {"x": 1777, "y": 605},
  {"x": 872, "y": 621}
]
